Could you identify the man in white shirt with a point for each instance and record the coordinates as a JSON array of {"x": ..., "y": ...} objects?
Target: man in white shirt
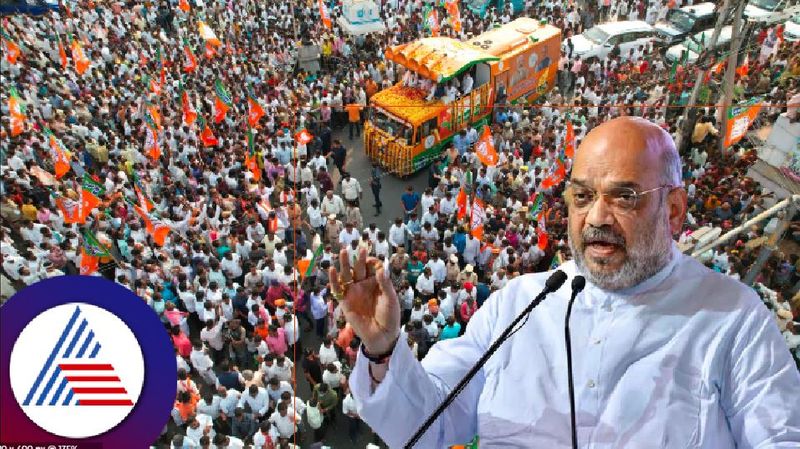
[
  {"x": 665, "y": 352},
  {"x": 351, "y": 188},
  {"x": 349, "y": 234},
  {"x": 397, "y": 233},
  {"x": 332, "y": 204},
  {"x": 257, "y": 399},
  {"x": 284, "y": 422}
]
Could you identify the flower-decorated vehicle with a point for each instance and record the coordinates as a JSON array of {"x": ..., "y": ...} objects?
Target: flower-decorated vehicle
[{"x": 452, "y": 85}]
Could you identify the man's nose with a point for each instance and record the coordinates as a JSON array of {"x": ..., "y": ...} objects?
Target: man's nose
[{"x": 600, "y": 213}]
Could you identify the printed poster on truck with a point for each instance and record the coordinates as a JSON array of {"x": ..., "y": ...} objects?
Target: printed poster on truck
[{"x": 739, "y": 119}]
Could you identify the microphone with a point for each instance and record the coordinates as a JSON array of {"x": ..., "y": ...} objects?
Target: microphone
[
  {"x": 578, "y": 283},
  {"x": 553, "y": 283}
]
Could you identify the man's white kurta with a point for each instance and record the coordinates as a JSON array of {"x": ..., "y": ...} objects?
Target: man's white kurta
[{"x": 688, "y": 358}]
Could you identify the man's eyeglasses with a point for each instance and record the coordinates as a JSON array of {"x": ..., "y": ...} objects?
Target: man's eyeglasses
[{"x": 621, "y": 199}]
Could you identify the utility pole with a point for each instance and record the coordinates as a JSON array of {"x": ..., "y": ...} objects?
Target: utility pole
[
  {"x": 737, "y": 35},
  {"x": 685, "y": 127},
  {"x": 770, "y": 245}
]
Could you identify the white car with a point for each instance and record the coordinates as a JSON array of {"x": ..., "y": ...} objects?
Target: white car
[
  {"x": 771, "y": 11},
  {"x": 791, "y": 33},
  {"x": 600, "y": 40},
  {"x": 697, "y": 43}
]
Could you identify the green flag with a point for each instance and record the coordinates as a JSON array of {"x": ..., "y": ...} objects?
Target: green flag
[{"x": 317, "y": 253}]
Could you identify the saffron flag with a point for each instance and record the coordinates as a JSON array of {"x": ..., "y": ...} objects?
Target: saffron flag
[
  {"x": 461, "y": 204},
  {"x": 431, "y": 22},
  {"x": 739, "y": 118},
  {"x": 208, "y": 34},
  {"x": 16, "y": 110},
  {"x": 62, "y": 54},
  {"x": 207, "y": 136},
  {"x": 10, "y": 48},
  {"x": 484, "y": 148},
  {"x": 324, "y": 14},
  {"x": 251, "y": 160},
  {"x": 222, "y": 101},
  {"x": 81, "y": 61},
  {"x": 184, "y": 6},
  {"x": 156, "y": 227},
  {"x": 190, "y": 64},
  {"x": 744, "y": 68},
  {"x": 189, "y": 113},
  {"x": 569, "y": 140},
  {"x": 477, "y": 218},
  {"x": 70, "y": 209},
  {"x": 91, "y": 191},
  {"x": 455, "y": 15},
  {"x": 256, "y": 111},
  {"x": 541, "y": 232},
  {"x": 210, "y": 51},
  {"x": 60, "y": 154},
  {"x": 303, "y": 137},
  {"x": 144, "y": 202},
  {"x": 91, "y": 252},
  {"x": 152, "y": 116},
  {"x": 151, "y": 143}
]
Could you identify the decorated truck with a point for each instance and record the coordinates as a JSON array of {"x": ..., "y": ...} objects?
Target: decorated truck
[{"x": 408, "y": 127}]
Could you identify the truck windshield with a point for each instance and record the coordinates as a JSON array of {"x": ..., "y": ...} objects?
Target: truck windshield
[
  {"x": 681, "y": 20},
  {"x": 390, "y": 125}
]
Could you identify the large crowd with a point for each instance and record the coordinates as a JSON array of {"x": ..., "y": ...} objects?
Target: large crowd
[{"x": 228, "y": 280}]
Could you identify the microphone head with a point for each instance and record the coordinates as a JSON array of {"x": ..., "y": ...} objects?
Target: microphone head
[
  {"x": 555, "y": 281},
  {"x": 578, "y": 282}
]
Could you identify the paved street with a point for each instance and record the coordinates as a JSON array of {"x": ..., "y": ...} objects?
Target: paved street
[{"x": 359, "y": 166}]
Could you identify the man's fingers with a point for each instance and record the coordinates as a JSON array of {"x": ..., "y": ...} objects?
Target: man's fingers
[
  {"x": 360, "y": 270},
  {"x": 333, "y": 277},
  {"x": 346, "y": 271},
  {"x": 384, "y": 281}
]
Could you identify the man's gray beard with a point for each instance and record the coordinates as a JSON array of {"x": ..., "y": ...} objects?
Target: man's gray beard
[{"x": 645, "y": 257}]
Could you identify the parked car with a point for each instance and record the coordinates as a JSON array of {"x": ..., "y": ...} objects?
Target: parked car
[
  {"x": 792, "y": 30},
  {"x": 31, "y": 7},
  {"x": 600, "y": 40},
  {"x": 686, "y": 21},
  {"x": 695, "y": 44},
  {"x": 768, "y": 12}
]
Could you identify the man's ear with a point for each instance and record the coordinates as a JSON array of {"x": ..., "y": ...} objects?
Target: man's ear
[{"x": 677, "y": 207}]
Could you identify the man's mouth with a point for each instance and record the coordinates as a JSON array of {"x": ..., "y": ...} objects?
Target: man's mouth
[{"x": 602, "y": 248}]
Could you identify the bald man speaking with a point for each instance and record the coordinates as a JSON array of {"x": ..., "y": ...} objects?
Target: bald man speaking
[{"x": 666, "y": 353}]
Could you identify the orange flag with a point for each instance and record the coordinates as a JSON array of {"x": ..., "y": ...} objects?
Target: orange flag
[
  {"x": 16, "y": 111},
  {"x": 477, "y": 218},
  {"x": 11, "y": 49},
  {"x": 60, "y": 154},
  {"x": 461, "y": 204},
  {"x": 484, "y": 148},
  {"x": 189, "y": 113},
  {"x": 184, "y": 5},
  {"x": 303, "y": 137},
  {"x": 62, "y": 53},
  {"x": 151, "y": 144},
  {"x": 210, "y": 51},
  {"x": 81, "y": 61},
  {"x": 191, "y": 62},
  {"x": 208, "y": 34},
  {"x": 324, "y": 14},
  {"x": 207, "y": 136},
  {"x": 255, "y": 110},
  {"x": 91, "y": 191},
  {"x": 569, "y": 141}
]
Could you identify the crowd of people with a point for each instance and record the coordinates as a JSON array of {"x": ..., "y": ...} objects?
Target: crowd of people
[{"x": 228, "y": 280}]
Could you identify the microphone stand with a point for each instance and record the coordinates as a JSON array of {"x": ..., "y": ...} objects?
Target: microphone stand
[
  {"x": 552, "y": 284},
  {"x": 578, "y": 282}
]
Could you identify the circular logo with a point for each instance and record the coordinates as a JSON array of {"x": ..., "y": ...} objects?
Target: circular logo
[
  {"x": 83, "y": 359},
  {"x": 76, "y": 370}
]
